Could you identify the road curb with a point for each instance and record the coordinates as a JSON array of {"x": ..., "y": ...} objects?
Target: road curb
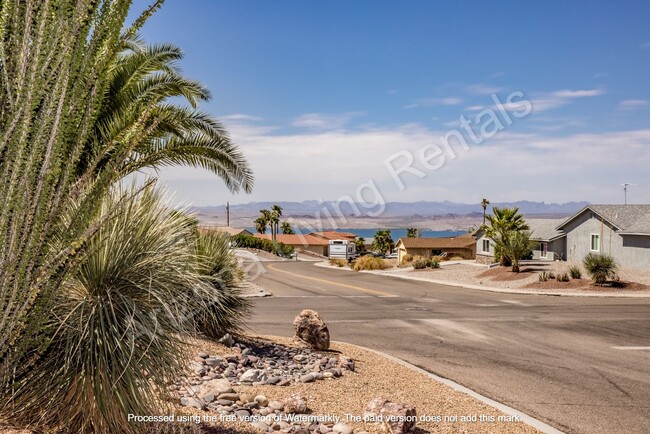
[
  {"x": 529, "y": 420},
  {"x": 489, "y": 288}
]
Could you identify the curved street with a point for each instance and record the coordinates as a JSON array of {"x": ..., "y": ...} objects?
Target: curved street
[{"x": 579, "y": 364}]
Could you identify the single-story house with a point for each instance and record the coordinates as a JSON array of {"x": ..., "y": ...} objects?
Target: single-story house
[
  {"x": 551, "y": 242},
  {"x": 301, "y": 242},
  {"x": 462, "y": 245},
  {"x": 233, "y": 232},
  {"x": 622, "y": 231}
]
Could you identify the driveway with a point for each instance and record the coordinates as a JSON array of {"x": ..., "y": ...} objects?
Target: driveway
[{"x": 581, "y": 365}]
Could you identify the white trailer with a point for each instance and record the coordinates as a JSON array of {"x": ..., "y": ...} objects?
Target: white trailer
[{"x": 342, "y": 249}]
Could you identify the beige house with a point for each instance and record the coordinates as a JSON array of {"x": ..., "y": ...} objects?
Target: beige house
[
  {"x": 301, "y": 242},
  {"x": 462, "y": 245}
]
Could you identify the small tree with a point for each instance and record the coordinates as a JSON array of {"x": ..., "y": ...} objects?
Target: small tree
[
  {"x": 484, "y": 205},
  {"x": 502, "y": 223},
  {"x": 383, "y": 241},
  {"x": 287, "y": 229},
  {"x": 360, "y": 245},
  {"x": 600, "y": 267},
  {"x": 516, "y": 245},
  {"x": 411, "y": 233}
]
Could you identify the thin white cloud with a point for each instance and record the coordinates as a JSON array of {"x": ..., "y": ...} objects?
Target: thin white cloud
[
  {"x": 483, "y": 89},
  {"x": 240, "y": 117},
  {"x": 324, "y": 121},
  {"x": 431, "y": 102},
  {"x": 632, "y": 104},
  {"x": 559, "y": 98}
]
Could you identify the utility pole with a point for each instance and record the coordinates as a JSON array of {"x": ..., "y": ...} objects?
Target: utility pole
[{"x": 228, "y": 214}]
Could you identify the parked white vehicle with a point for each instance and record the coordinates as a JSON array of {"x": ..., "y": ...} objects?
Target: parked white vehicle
[
  {"x": 342, "y": 249},
  {"x": 392, "y": 256}
]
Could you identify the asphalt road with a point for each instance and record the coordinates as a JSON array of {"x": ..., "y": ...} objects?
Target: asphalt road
[{"x": 581, "y": 365}]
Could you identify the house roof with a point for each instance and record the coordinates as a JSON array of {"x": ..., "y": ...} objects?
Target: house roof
[
  {"x": 461, "y": 241},
  {"x": 334, "y": 235},
  {"x": 226, "y": 230},
  {"x": 627, "y": 219},
  {"x": 545, "y": 229},
  {"x": 296, "y": 239}
]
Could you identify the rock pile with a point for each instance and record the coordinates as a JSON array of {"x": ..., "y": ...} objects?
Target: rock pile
[{"x": 210, "y": 386}]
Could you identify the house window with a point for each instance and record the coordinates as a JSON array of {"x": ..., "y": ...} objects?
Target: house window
[
  {"x": 595, "y": 243},
  {"x": 486, "y": 246},
  {"x": 543, "y": 247}
]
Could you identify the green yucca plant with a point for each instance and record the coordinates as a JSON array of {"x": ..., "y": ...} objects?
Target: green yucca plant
[
  {"x": 226, "y": 307},
  {"x": 600, "y": 267},
  {"x": 117, "y": 321}
]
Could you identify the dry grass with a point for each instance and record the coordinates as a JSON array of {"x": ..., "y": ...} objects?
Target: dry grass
[{"x": 369, "y": 262}]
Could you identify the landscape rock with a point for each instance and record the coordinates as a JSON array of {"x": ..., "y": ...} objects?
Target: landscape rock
[
  {"x": 295, "y": 404},
  {"x": 396, "y": 418},
  {"x": 227, "y": 340},
  {"x": 311, "y": 329},
  {"x": 215, "y": 387}
]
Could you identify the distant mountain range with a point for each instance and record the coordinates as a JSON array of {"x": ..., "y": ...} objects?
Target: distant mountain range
[{"x": 310, "y": 208}]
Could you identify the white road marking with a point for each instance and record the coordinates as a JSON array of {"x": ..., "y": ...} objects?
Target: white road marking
[
  {"x": 514, "y": 302},
  {"x": 334, "y": 296},
  {"x": 631, "y": 348}
]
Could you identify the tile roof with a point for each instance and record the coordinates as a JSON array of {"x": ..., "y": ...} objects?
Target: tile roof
[
  {"x": 628, "y": 219},
  {"x": 296, "y": 239},
  {"x": 334, "y": 235},
  {"x": 438, "y": 243}
]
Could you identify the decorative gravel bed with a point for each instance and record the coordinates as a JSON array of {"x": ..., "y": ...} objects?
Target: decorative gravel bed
[{"x": 326, "y": 402}]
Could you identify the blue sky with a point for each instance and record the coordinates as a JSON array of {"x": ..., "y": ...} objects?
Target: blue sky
[{"x": 319, "y": 95}]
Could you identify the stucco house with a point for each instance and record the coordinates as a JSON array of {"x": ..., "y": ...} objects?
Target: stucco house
[
  {"x": 550, "y": 241},
  {"x": 462, "y": 245},
  {"x": 301, "y": 242},
  {"x": 622, "y": 231}
]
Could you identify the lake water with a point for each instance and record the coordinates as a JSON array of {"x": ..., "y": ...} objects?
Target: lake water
[{"x": 395, "y": 234}]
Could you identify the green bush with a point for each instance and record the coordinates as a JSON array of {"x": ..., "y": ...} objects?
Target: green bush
[
  {"x": 226, "y": 308},
  {"x": 600, "y": 267},
  {"x": 275, "y": 247},
  {"x": 117, "y": 321},
  {"x": 420, "y": 264},
  {"x": 369, "y": 262},
  {"x": 575, "y": 272},
  {"x": 433, "y": 263}
]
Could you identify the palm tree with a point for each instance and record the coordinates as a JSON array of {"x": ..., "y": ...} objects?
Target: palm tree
[
  {"x": 139, "y": 127},
  {"x": 360, "y": 244},
  {"x": 517, "y": 245},
  {"x": 287, "y": 229},
  {"x": 383, "y": 242},
  {"x": 260, "y": 225},
  {"x": 503, "y": 222},
  {"x": 484, "y": 204},
  {"x": 274, "y": 219},
  {"x": 411, "y": 233}
]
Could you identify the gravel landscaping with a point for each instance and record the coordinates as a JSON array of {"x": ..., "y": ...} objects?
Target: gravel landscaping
[
  {"x": 528, "y": 279},
  {"x": 367, "y": 382}
]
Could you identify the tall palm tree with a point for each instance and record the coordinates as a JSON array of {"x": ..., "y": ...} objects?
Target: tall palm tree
[
  {"x": 287, "y": 229},
  {"x": 411, "y": 233},
  {"x": 276, "y": 214},
  {"x": 484, "y": 204},
  {"x": 264, "y": 221},
  {"x": 140, "y": 127},
  {"x": 383, "y": 242},
  {"x": 260, "y": 225}
]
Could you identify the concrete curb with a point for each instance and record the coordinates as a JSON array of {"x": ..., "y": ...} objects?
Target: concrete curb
[
  {"x": 529, "y": 420},
  {"x": 399, "y": 275}
]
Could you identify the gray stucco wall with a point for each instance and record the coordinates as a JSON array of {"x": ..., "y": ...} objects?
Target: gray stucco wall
[
  {"x": 556, "y": 250},
  {"x": 631, "y": 251}
]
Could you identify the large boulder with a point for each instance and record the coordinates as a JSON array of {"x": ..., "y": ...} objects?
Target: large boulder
[
  {"x": 396, "y": 418},
  {"x": 295, "y": 404},
  {"x": 310, "y": 328}
]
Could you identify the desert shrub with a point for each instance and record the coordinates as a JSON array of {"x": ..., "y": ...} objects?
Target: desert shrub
[
  {"x": 433, "y": 263},
  {"x": 407, "y": 259},
  {"x": 575, "y": 272},
  {"x": 600, "y": 267},
  {"x": 543, "y": 276},
  {"x": 116, "y": 321},
  {"x": 226, "y": 308},
  {"x": 369, "y": 262},
  {"x": 551, "y": 275},
  {"x": 564, "y": 277},
  {"x": 338, "y": 262},
  {"x": 420, "y": 264}
]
